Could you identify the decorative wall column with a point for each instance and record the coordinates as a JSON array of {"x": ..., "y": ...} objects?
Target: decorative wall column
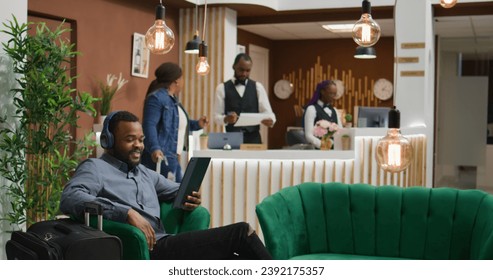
[{"x": 415, "y": 81}]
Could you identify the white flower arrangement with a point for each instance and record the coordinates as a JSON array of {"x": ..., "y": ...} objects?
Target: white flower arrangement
[
  {"x": 108, "y": 91},
  {"x": 325, "y": 129}
]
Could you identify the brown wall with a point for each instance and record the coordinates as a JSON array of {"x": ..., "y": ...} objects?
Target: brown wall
[
  {"x": 104, "y": 31},
  {"x": 289, "y": 56},
  {"x": 104, "y": 38}
]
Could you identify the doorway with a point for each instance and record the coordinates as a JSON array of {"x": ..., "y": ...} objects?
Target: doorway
[
  {"x": 463, "y": 154},
  {"x": 260, "y": 73}
]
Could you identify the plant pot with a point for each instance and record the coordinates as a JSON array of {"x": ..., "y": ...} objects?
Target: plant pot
[
  {"x": 346, "y": 143},
  {"x": 203, "y": 142},
  {"x": 101, "y": 119}
]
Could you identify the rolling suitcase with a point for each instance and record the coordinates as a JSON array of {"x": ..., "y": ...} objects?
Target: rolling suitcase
[{"x": 64, "y": 239}]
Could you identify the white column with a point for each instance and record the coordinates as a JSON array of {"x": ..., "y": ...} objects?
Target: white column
[
  {"x": 414, "y": 95},
  {"x": 230, "y": 42}
]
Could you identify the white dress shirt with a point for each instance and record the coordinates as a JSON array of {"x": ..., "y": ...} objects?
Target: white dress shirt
[
  {"x": 263, "y": 101},
  {"x": 182, "y": 127},
  {"x": 310, "y": 116}
]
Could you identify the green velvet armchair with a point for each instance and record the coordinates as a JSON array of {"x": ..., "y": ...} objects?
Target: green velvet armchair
[
  {"x": 359, "y": 221},
  {"x": 174, "y": 220}
]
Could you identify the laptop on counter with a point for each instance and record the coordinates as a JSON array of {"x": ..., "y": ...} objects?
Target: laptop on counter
[
  {"x": 218, "y": 140},
  {"x": 192, "y": 179}
]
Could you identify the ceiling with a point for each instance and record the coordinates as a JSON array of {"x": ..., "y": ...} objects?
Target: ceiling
[
  {"x": 479, "y": 27},
  {"x": 468, "y": 22}
]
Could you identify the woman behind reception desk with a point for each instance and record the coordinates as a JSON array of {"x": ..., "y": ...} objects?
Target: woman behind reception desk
[{"x": 320, "y": 108}]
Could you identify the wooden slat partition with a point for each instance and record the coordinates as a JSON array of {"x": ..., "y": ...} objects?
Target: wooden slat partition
[{"x": 358, "y": 90}]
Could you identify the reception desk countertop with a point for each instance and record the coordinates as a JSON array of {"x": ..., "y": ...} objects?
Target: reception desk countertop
[{"x": 275, "y": 154}]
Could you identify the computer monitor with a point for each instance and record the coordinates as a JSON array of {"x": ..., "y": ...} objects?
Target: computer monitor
[
  {"x": 373, "y": 116},
  {"x": 218, "y": 140}
]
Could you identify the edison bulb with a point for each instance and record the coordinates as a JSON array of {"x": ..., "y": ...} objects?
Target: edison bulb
[
  {"x": 202, "y": 66},
  {"x": 366, "y": 31},
  {"x": 448, "y": 3},
  {"x": 394, "y": 153},
  {"x": 160, "y": 38}
]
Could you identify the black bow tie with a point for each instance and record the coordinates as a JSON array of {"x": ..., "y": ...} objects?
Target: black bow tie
[{"x": 240, "y": 82}]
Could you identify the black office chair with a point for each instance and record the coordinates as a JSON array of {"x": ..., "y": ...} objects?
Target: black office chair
[
  {"x": 295, "y": 139},
  {"x": 295, "y": 136}
]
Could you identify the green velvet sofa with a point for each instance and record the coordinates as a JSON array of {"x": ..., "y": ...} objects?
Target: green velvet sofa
[{"x": 360, "y": 221}]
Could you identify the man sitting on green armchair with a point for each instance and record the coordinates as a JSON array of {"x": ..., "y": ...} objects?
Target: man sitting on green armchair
[{"x": 131, "y": 193}]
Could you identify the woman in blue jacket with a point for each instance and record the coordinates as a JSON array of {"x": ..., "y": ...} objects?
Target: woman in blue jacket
[{"x": 166, "y": 123}]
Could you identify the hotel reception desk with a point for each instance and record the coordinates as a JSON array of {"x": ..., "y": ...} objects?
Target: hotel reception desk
[{"x": 237, "y": 180}]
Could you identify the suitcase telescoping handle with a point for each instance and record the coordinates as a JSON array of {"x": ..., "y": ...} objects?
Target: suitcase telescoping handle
[
  {"x": 158, "y": 165},
  {"x": 95, "y": 209}
]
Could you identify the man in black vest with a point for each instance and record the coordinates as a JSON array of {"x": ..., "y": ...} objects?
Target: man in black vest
[{"x": 242, "y": 95}]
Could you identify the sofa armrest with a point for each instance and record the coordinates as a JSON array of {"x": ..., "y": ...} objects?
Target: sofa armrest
[
  {"x": 178, "y": 220},
  {"x": 281, "y": 235},
  {"x": 133, "y": 239}
]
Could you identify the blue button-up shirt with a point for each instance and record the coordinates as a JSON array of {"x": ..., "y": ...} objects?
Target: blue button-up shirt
[{"x": 108, "y": 182}]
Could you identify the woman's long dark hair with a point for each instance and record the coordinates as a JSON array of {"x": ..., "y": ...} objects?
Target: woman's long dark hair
[
  {"x": 166, "y": 74},
  {"x": 316, "y": 93}
]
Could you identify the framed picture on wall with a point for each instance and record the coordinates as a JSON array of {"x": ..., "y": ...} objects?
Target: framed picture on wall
[{"x": 140, "y": 57}]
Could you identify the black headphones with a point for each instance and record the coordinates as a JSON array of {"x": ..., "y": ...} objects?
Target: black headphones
[{"x": 107, "y": 140}]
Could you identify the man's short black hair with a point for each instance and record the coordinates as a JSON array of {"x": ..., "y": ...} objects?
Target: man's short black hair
[
  {"x": 245, "y": 56},
  {"x": 120, "y": 116}
]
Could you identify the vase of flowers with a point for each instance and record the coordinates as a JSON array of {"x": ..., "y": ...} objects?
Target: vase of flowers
[
  {"x": 325, "y": 130},
  {"x": 108, "y": 91}
]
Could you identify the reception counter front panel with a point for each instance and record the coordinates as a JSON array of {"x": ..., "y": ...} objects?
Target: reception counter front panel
[{"x": 238, "y": 180}]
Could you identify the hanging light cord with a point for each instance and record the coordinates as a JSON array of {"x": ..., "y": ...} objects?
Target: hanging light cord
[
  {"x": 205, "y": 20},
  {"x": 196, "y": 18},
  {"x": 396, "y": 45}
]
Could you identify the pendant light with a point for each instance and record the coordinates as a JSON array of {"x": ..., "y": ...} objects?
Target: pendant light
[
  {"x": 366, "y": 31},
  {"x": 394, "y": 152},
  {"x": 203, "y": 68},
  {"x": 448, "y": 3},
  {"x": 159, "y": 38},
  {"x": 365, "y": 53},
  {"x": 193, "y": 45}
]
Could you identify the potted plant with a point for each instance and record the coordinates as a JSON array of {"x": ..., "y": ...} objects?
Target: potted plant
[
  {"x": 349, "y": 118},
  {"x": 38, "y": 152},
  {"x": 346, "y": 142},
  {"x": 108, "y": 91},
  {"x": 204, "y": 139}
]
